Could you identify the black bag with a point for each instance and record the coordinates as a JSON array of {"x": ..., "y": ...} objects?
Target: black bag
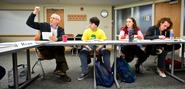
[
  {"x": 2, "y": 72},
  {"x": 103, "y": 76},
  {"x": 22, "y": 75}
]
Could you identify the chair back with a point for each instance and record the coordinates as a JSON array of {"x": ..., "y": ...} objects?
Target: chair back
[
  {"x": 78, "y": 37},
  {"x": 70, "y": 36}
]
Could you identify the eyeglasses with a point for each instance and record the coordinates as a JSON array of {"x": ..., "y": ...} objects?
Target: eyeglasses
[{"x": 54, "y": 18}]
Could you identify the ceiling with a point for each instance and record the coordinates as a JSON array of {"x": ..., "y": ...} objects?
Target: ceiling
[{"x": 75, "y": 2}]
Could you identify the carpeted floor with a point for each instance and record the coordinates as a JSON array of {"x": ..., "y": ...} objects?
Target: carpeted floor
[{"x": 147, "y": 80}]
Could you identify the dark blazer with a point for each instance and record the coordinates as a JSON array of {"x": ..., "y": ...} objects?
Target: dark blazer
[
  {"x": 43, "y": 27},
  {"x": 154, "y": 32}
]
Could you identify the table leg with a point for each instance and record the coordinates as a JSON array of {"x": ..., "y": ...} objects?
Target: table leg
[
  {"x": 29, "y": 79},
  {"x": 94, "y": 60},
  {"x": 28, "y": 64},
  {"x": 173, "y": 58},
  {"x": 115, "y": 56},
  {"x": 182, "y": 56},
  {"x": 15, "y": 71},
  {"x": 172, "y": 68}
]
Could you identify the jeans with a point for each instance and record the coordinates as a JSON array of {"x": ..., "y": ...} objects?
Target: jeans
[
  {"x": 161, "y": 60},
  {"x": 84, "y": 57}
]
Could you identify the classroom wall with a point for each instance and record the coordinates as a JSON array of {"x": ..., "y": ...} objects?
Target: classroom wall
[
  {"x": 184, "y": 20},
  {"x": 74, "y": 27}
]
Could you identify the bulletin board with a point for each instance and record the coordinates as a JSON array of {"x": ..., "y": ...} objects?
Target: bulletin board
[{"x": 77, "y": 17}]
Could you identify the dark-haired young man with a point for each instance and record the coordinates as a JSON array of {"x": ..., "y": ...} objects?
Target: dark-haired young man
[{"x": 93, "y": 33}]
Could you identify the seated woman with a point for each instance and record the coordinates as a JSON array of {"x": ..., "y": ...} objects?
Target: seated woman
[
  {"x": 160, "y": 31},
  {"x": 130, "y": 51}
]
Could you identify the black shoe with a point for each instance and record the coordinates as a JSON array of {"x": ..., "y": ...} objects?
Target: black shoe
[
  {"x": 65, "y": 78},
  {"x": 59, "y": 72},
  {"x": 137, "y": 68}
]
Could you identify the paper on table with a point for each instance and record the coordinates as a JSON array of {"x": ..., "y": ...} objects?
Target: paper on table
[
  {"x": 25, "y": 43},
  {"x": 46, "y": 35}
]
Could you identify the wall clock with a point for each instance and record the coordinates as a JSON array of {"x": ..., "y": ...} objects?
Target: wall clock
[{"x": 104, "y": 13}]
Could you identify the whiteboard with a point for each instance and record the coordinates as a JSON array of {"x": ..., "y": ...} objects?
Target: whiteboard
[{"x": 14, "y": 23}]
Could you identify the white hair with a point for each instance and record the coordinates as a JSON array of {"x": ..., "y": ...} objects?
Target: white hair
[{"x": 54, "y": 15}]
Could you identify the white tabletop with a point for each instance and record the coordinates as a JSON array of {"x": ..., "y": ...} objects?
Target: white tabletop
[
  {"x": 112, "y": 42},
  {"x": 14, "y": 46}
]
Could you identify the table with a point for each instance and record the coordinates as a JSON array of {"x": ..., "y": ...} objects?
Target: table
[
  {"x": 115, "y": 43},
  {"x": 13, "y": 48}
]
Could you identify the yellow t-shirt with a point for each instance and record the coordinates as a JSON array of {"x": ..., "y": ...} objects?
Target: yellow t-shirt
[{"x": 99, "y": 34}]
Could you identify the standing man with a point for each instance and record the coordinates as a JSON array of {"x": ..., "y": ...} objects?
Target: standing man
[
  {"x": 50, "y": 52},
  {"x": 93, "y": 33}
]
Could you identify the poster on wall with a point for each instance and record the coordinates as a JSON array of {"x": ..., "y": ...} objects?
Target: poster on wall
[{"x": 74, "y": 17}]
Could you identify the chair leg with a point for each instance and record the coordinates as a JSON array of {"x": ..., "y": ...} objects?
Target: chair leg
[
  {"x": 76, "y": 51},
  {"x": 34, "y": 66},
  {"x": 72, "y": 51},
  {"x": 43, "y": 72}
]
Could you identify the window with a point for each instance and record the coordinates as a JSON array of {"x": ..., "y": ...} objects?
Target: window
[{"x": 142, "y": 14}]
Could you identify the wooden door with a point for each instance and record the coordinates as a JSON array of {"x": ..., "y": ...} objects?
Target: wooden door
[
  {"x": 60, "y": 12},
  {"x": 172, "y": 11}
]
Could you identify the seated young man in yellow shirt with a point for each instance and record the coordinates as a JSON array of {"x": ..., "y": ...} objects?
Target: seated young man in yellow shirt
[{"x": 93, "y": 33}]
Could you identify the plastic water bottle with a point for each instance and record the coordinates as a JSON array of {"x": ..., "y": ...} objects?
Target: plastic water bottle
[{"x": 171, "y": 34}]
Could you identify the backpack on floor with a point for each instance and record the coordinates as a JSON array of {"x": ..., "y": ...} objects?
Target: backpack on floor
[
  {"x": 103, "y": 76},
  {"x": 124, "y": 71},
  {"x": 2, "y": 72},
  {"x": 177, "y": 64},
  {"x": 22, "y": 75}
]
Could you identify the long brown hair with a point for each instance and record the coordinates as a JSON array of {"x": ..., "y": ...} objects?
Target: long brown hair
[
  {"x": 162, "y": 20},
  {"x": 135, "y": 27}
]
